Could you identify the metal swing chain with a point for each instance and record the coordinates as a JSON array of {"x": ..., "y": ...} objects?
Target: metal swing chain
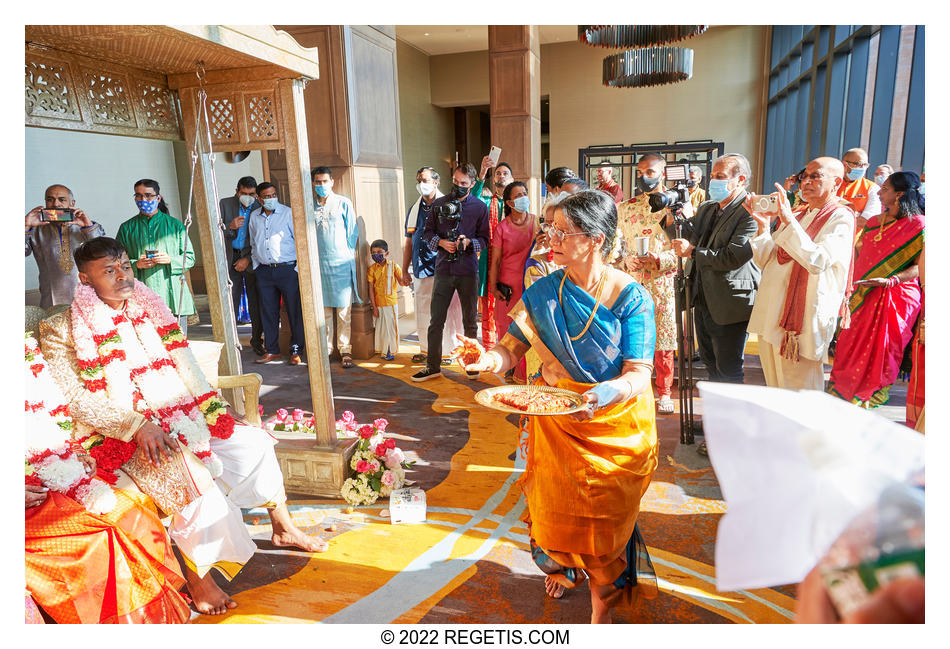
[{"x": 195, "y": 155}]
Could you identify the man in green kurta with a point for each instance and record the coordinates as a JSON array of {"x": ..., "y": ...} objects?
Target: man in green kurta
[{"x": 160, "y": 250}]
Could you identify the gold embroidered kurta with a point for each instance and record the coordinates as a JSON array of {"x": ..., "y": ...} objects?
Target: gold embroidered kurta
[
  {"x": 634, "y": 219},
  {"x": 91, "y": 411}
]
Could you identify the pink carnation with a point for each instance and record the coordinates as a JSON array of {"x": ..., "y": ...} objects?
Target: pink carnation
[
  {"x": 362, "y": 466},
  {"x": 366, "y": 431},
  {"x": 389, "y": 479},
  {"x": 347, "y": 416},
  {"x": 350, "y": 426},
  {"x": 373, "y": 466},
  {"x": 394, "y": 457},
  {"x": 282, "y": 414},
  {"x": 380, "y": 424},
  {"x": 298, "y": 414}
]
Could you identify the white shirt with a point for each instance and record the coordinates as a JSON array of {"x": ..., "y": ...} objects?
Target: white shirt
[
  {"x": 873, "y": 206},
  {"x": 826, "y": 259},
  {"x": 272, "y": 236}
]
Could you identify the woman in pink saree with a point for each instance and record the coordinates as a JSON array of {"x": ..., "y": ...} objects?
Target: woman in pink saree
[{"x": 886, "y": 298}]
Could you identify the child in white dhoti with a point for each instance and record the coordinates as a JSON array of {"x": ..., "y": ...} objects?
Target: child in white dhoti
[{"x": 384, "y": 276}]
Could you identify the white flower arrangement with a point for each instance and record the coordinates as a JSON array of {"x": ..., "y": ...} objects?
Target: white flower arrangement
[{"x": 379, "y": 464}]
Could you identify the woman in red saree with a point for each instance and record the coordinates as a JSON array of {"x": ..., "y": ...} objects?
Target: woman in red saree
[{"x": 887, "y": 296}]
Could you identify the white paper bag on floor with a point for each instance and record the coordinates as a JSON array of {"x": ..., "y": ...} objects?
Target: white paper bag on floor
[
  {"x": 407, "y": 505},
  {"x": 794, "y": 468}
]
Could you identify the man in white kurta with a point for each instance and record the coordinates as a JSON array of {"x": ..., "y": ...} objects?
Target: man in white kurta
[{"x": 827, "y": 258}]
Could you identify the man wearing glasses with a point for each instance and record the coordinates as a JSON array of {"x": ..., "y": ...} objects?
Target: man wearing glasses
[
  {"x": 859, "y": 191},
  {"x": 804, "y": 266}
]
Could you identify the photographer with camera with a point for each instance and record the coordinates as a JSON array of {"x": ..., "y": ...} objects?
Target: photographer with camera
[
  {"x": 653, "y": 265},
  {"x": 53, "y": 232},
  {"x": 457, "y": 228},
  {"x": 722, "y": 277}
]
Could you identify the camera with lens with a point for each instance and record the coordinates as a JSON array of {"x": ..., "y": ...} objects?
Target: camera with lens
[
  {"x": 677, "y": 193},
  {"x": 450, "y": 213}
]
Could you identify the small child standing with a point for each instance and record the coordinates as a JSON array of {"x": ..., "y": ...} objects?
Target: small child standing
[{"x": 384, "y": 276}]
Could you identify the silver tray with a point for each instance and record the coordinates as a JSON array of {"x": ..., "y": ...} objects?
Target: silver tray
[{"x": 485, "y": 398}]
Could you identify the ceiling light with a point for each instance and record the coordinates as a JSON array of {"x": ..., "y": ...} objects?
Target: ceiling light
[
  {"x": 627, "y": 36},
  {"x": 653, "y": 66}
]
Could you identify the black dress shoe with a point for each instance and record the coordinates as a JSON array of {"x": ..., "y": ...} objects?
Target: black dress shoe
[{"x": 258, "y": 349}]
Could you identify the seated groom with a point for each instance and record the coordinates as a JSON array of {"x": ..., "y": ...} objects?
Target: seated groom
[{"x": 128, "y": 374}]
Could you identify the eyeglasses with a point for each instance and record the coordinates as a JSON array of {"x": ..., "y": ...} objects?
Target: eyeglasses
[
  {"x": 814, "y": 176},
  {"x": 856, "y": 165},
  {"x": 558, "y": 235},
  {"x": 144, "y": 197}
]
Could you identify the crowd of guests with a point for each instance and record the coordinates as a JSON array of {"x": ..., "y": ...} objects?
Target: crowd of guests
[{"x": 576, "y": 294}]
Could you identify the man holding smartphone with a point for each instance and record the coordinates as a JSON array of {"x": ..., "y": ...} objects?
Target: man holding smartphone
[{"x": 53, "y": 232}]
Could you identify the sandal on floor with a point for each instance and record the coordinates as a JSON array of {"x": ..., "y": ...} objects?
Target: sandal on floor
[
  {"x": 701, "y": 449},
  {"x": 665, "y": 406},
  {"x": 419, "y": 358},
  {"x": 347, "y": 361}
]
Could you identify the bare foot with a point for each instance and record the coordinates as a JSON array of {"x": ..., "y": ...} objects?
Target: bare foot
[
  {"x": 294, "y": 538},
  {"x": 207, "y": 597},
  {"x": 599, "y": 607},
  {"x": 553, "y": 588}
]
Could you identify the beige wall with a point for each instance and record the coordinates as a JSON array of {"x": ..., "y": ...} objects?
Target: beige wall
[
  {"x": 722, "y": 101},
  {"x": 460, "y": 79},
  {"x": 428, "y": 132},
  {"x": 100, "y": 169}
]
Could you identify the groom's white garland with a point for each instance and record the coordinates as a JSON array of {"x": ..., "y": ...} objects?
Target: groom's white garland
[
  {"x": 50, "y": 457},
  {"x": 141, "y": 359}
]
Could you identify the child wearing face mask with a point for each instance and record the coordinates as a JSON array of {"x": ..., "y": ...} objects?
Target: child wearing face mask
[{"x": 384, "y": 277}]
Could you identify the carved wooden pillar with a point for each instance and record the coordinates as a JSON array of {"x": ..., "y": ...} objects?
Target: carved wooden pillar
[
  {"x": 514, "y": 77},
  {"x": 353, "y": 128}
]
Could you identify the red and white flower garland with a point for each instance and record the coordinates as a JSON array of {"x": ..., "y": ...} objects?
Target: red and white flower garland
[
  {"x": 141, "y": 359},
  {"x": 50, "y": 457}
]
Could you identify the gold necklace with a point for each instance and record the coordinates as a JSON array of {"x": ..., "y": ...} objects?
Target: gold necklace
[
  {"x": 880, "y": 232},
  {"x": 600, "y": 291}
]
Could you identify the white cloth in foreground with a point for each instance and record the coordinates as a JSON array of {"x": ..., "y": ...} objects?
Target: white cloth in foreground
[
  {"x": 794, "y": 468},
  {"x": 387, "y": 330}
]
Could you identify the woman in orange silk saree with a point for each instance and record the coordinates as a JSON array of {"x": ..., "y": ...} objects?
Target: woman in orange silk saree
[{"x": 594, "y": 329}]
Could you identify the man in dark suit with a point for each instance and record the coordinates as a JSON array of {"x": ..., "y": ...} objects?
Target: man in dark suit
[
  {"x": 235, "y": 212},
  {"x": 723, "y": 279}
]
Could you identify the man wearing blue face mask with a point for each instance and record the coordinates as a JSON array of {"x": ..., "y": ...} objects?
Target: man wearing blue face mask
[
  {"x": 860, "y": 192},
  {"x": 273, "y": 251},
  {"x": 337, "y": 236},
  {"x": 235, "y": 212},
  {"x": 723, "y": 279}
]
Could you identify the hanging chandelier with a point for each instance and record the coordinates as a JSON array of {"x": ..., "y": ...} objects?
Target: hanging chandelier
[
  {"x": 628, "y": 36},
  {"x": 653, "y": 66}
]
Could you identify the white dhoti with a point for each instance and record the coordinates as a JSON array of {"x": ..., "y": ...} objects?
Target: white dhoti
[
  {"x": 422, "y": 301},
  {"x": 251, "y": 475},
  {"x": 387, "y": 330},
  {"x": 805, "y": 374},
  {"x": 210, "y": 533}
]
